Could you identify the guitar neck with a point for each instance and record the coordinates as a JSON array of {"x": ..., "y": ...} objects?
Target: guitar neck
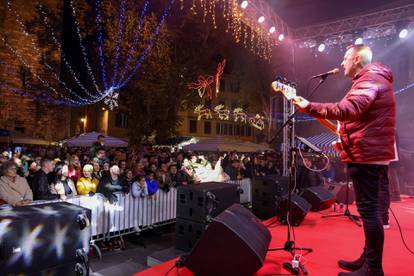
[{"x": 329, "y": 125}]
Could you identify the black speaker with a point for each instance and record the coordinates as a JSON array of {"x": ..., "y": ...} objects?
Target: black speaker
[
  {"x": 298, "y": 210},
  {"x": 339, "y": 192},
  {"x": 267, "y": 192},
  {"x": 234, "y": 243},
  {"x": 44, "y": 239},
  {"x": 187, "y": 233},
  {"x": 319, "y": 197},
  {"x": 201, "y": 202}
]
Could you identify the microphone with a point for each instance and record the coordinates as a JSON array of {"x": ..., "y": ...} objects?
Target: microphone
[{"x": 324, "y": 75}]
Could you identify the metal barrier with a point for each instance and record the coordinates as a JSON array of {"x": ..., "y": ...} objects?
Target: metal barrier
[{"x": 128, "y": 214}]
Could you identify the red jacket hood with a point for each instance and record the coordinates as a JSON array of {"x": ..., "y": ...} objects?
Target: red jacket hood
[{"x": 377, "y": 68}]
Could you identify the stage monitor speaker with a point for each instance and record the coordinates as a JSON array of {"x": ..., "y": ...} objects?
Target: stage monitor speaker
[
  {"x": 267, "y": 192},
  {"x": 298, "y": 210},
  {"x": 187, "y": 233},
  {"x": 201, "y": 202},
  {"x": 44, "y": 239},
  {"x": 319, "y": 197},
  {"x": 234, "y": 243},
  {"x": 339, "y": 191}
]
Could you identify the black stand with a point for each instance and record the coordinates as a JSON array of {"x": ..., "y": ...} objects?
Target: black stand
[
  {"x": 289, "y": 245},
  {"x": 347, "y": 213}
]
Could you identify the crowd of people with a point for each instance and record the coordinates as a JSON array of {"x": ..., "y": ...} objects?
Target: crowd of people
[{"x": 47, "y": 173}]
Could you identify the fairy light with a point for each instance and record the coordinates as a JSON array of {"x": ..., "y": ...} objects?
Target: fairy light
[
  {"x": 83, "y": 50},
  {"x": 121, "y": 28},
  {"x": 150, "y": 45},
  {"x": 100, "y": 43},
  {"x": 63, "y": 56},
  {"x": 135, "y": 41},
  {"x": 33, "y": 43}
]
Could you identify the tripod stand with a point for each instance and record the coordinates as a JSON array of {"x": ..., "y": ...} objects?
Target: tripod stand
[{"x": 346, "y": 213}]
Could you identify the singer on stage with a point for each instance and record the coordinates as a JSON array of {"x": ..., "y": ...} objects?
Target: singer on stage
[{"x": 367, "y": 140}]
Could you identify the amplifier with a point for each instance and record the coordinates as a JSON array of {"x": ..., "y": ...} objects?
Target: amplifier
[
  {"x": 44, "y": 238},
  {"x": 202, "y": 202}
]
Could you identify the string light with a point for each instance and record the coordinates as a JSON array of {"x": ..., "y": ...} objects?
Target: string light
[
  {"x": 63, "y": 56},
  {"x": 135, "y": 41},
  {"x": 83, "y": 50},
  {"x": 150, "y": 45},
  {"x": 120, "y": 35}
]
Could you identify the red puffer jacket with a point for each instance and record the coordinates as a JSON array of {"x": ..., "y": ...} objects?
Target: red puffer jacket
[{"x": 366, "y": 115}]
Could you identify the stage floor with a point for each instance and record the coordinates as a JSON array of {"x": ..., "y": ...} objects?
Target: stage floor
[{"x": 332, "y": 239}]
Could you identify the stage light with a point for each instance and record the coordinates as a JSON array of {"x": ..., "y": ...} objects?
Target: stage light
[
  {"x": 272, "y": 30},
  {"x": 281, "y": 37},
  {"x": 261, "y": 19},
  {"x": 321, "y": 47},
  {"x": 359, "y": 41},
  {"x": 403, "y": 33},
  {"x": 244, "y": 4}
]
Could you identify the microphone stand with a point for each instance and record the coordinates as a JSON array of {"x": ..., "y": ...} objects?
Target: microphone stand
[{"x": 289, "y": 245}]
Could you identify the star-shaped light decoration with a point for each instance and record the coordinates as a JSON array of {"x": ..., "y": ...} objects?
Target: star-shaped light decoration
[
  {"x": 257, "y": 122},
  {"x": 27, "y": 244},
  {"x": 47, "y": 211},
  {"x": 9, "y": 211},
  {"x": 4, "y": 227},
  {"x": 59, "y": 240},
  {"x": 111, "y": 100}
]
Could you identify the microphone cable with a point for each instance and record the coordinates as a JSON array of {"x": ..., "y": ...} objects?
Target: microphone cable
[{"x": 401, "y": 233}]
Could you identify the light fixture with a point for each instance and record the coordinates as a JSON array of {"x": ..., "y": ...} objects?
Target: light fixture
[
  {"x": 321, "y": 47},
  {"x": 403, "y": 33},
  {"x": 261, "y": 19},
  {"x": 244, "y": 4},
  {"x": 359, "y": 41},
  {"x": 82, "y": 120},
  {"x": 281, "y": 37},
  {"x": 272, "y": 29}
]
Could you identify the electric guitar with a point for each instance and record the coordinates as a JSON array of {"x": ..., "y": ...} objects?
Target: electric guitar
[{"x": 289, "y": 92}]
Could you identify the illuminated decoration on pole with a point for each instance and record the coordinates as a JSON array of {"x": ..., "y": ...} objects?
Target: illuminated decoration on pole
[
  {"x": 257, "y": 122},
  {"x": 202, "y": 111},
  {"x": 240, "y": 114},
  {"x": 220, "y": 70},
  {"x": 222, "y": 112},
  {"x": 202, "y": 85}
]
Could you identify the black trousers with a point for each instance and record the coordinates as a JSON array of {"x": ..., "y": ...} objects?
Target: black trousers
[{"x": 367, "y": 180}]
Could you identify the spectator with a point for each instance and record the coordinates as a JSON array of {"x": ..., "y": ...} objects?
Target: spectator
[
  {"x": 164, "y": 178},
  {"x": 96, "y": 171},
  {"x": 98, "y": 144},
  {"x": 233, "y": 171},
  {"x": 100, "y": 157},
  {"x": 63, "y": 185},
  {"x": 14, "y": 189},
  {"x": 139, "y": 169},
  {"x": 41, "y": 185},
  {"x": 152, "y": 184},
  {"x": 129, "y": 178},
  {"x": 87, "y": 184},
  {"x": 174, "y": 176},
  {"x": 74, "y": 167},
  {"x": 140, "y": 188},
  {"x": 114, "y": 183}
]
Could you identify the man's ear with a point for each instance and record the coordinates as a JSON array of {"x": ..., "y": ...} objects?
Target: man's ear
[{"x": 357, "y": 60}]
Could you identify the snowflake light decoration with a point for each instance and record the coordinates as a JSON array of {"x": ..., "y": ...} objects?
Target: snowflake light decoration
[{"x": 111, "y": 100}]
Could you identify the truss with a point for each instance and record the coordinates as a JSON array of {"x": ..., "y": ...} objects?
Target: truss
[
  {"x": 259, "y": 8},
  {"x": 344, "y": 26}
]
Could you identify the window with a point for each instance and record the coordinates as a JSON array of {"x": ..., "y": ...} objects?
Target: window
[
  {"x": 230, "y": 129},
  {"x": 235, "y": 86},
  {"x": 207, "y": 127},
  {"x": 218, "y": 128},
  {"x": 193, "y": 126},
  {"x": 224, "y": 129},
  {"x": 121, "y": 120},
  {"x": 222, "y": 85},
  {"x": 237, "y": 130},
  {"x": 243, "y": 131},
  {"x": 249, "y": 131},
  {"x": 20, "y": 129}
]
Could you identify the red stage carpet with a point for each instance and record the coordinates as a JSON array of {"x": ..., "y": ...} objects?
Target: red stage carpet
[{"x": 332, "y": 239}]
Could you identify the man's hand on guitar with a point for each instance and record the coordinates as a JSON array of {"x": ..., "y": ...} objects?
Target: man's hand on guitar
[
  {"x": 301, "y": 103},
  {"x": 337, "y": 145}
]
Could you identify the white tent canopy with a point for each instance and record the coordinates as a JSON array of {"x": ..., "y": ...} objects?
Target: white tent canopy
[
  {"x": 220, "y": 144},
  {"x": 87, "y": 139}
]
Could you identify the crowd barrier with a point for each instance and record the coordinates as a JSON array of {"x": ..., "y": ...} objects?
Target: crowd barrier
[{"x": 127, "y": 214}]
